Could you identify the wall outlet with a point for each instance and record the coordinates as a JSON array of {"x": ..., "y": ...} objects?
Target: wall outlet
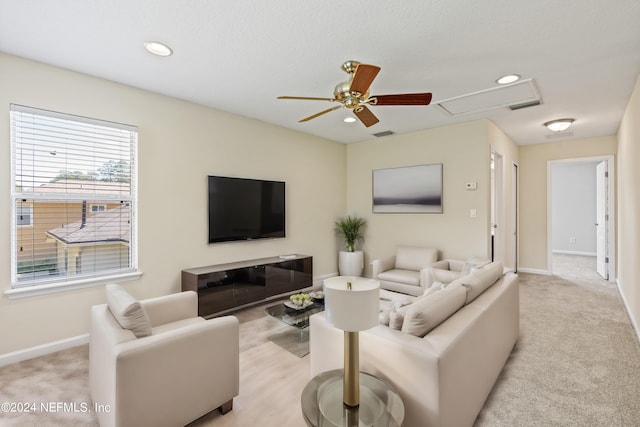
[
  {"x": 471, "y": 185},
  {"x": 572, "y": 239}
]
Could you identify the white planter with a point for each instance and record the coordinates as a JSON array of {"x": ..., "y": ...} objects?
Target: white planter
[{"x": 351, "y": 263}]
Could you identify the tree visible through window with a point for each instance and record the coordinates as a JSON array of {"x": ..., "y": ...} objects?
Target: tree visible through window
[{"x": 73, "y": 183}]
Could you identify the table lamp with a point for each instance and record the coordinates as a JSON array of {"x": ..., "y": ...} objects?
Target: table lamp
[{"x": 352, "y": 304}]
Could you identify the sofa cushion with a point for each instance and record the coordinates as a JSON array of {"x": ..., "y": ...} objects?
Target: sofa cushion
[
  {"x": 409, "y": 277},
  {"x": 478, "y": 281},
  {"x": 431, "y": 310},
  {"x": 127, "y": 311},
  {"x": 410, "y": 258}
]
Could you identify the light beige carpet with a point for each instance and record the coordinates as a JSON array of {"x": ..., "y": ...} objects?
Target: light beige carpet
[{"x": 577, "y": 363}]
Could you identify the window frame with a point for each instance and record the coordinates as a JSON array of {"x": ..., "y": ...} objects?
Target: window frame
[{"x": 21, "y": 289}]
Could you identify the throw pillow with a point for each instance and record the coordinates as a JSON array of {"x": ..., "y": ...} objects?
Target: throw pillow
[
  {"x": 395, "y": 320},
  {"x": 428, "y": 312},
  {"x": 396, "y": 316},
  {"x": 480, "y": 280},
  {"x": 385, "y": 316},
  {"x": 127, "y": 311}
]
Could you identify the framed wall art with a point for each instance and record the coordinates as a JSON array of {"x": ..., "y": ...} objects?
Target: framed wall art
[{"x": 411, "y": 189}]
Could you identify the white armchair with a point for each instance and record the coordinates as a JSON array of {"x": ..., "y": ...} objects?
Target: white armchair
[
  {"x": 406, "y": 272},
  {"x": 185, "y": 368}
]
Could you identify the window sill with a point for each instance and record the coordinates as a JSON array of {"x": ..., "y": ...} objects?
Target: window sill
[{"x": 52, "y": 288}]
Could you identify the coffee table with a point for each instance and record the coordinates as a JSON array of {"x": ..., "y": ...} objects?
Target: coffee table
[{"x": 292, "y": 317}]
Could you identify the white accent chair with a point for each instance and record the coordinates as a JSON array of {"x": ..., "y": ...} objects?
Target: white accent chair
[
  {"x": 185, "y": 368},
  {"x": 406, "y": 272}
]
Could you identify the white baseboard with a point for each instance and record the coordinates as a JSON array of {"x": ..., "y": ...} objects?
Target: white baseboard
[
  {"x": 534, "y": 271},
  {"x": 41, "y": 350},
  {"x": 635, "y": 325},
  {"x": 562, "y": 252}
]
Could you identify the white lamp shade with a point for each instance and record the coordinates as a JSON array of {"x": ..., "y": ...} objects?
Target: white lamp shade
[{"x": 352, "y": 310}]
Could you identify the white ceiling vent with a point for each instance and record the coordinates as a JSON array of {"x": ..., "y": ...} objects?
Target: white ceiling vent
[
  {"x": 559, "y": 135},
  {"x": 518, "y": 93}
]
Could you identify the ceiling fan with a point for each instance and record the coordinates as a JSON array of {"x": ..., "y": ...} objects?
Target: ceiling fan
[{"x": 353, "y": 93}]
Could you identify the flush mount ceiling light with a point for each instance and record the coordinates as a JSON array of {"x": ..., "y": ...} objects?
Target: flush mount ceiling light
[
  {"x": 158, "y": 48},
  {"x": 509, "y": 78},
  {"x": 349, "y": 119},
  {"x": 559, "y": 125}
]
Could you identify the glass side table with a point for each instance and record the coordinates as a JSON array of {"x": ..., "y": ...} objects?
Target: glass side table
[{"x": 380, "y": 404}]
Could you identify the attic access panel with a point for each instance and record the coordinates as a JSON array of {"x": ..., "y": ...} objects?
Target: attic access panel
[{"x": 520, "y": 92}]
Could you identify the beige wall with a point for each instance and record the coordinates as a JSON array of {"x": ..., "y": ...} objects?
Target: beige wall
[
  {"x": 464, "y": 152},
  {"x": 179, "y": 145},
  {"x": 533, "y": 192},
  {"x": 628, "y": 174}
]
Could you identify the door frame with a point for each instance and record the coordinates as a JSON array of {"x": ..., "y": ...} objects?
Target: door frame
[
  {"x": 497, "y": 227},
  {"x": 611, "y": 235}
]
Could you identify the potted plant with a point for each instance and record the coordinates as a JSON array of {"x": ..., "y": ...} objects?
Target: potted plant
[{"x": 351, "y": 261}]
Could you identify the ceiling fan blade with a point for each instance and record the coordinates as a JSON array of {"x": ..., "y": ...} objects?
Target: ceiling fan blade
[
  {"x": 402, "y": 99},
  {"x": 365, "y": 115},
  {"x": 306, "y": 119},
  {"x": 307, "y": 98},
  {"x": 363, "y": 77}
]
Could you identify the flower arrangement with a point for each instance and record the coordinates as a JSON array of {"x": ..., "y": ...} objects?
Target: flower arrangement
[{"x": 300, "y": 299}]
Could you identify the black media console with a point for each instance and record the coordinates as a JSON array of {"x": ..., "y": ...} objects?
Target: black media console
[{"x": 226, "y": 286}]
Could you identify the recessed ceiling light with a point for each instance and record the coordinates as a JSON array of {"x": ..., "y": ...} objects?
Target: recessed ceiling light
[
  {"x": 349, "y": 119},
  {"x": 158, "y": 48},
  {"x": 509, "y": 78},
  {"x": 559, "y": 125}
]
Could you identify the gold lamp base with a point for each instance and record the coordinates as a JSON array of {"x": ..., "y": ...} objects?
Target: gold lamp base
[{"x": 351, "y": 389}]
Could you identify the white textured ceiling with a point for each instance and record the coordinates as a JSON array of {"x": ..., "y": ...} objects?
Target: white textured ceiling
[{"x": 239, "y": 55}]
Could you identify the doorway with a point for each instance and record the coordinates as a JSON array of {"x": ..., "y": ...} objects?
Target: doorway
[
  {"x": 497, "y": 229},
  {"x": 580, "y": 217}
]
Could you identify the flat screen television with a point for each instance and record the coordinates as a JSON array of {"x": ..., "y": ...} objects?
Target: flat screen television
[{"x": 245, "y": 209}]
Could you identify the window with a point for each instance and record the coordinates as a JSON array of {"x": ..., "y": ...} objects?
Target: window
[
  {"x": 98, "y": 208},
  {"x": 73, "y": 183},
  {"x": 24, "y": 212}
]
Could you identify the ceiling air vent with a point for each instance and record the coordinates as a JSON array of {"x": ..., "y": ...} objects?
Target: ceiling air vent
[
  {"x": 383, "y": 133},
  {"x": 559, "y": 135},
  {"x": 524, "y": 105}
]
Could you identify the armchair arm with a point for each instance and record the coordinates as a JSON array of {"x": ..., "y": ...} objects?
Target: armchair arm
[
  {"x": 171, "y": 308},
  {"x": 443, "y": 264},
  {"x": 381, "y": 265},
  {"x": 200, "y": 360}
]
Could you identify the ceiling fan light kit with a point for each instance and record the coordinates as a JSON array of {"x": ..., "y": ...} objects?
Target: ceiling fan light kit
[
  {"x": 559, "y": 125},
  {"x": 353, "y": 93}
]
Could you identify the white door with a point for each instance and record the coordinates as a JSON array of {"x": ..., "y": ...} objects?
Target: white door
[
  {"x": 496, "y": 232},
  {"x": 602, "y": 218}
]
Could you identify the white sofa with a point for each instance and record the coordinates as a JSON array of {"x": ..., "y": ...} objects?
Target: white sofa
[
  {"x": 405, "y": 271},
  {"x": 156, "y": 363},
  {"x": 444, "y": 377}
]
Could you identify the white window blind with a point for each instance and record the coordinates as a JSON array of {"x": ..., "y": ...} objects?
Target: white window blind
[{"x": 63, "y": 167}]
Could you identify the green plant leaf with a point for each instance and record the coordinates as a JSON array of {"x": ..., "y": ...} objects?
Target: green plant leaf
[{"x": 351, "y": 229}]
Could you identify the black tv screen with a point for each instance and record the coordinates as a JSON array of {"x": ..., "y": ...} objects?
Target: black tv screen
[{"x": 245, "y": 209}]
